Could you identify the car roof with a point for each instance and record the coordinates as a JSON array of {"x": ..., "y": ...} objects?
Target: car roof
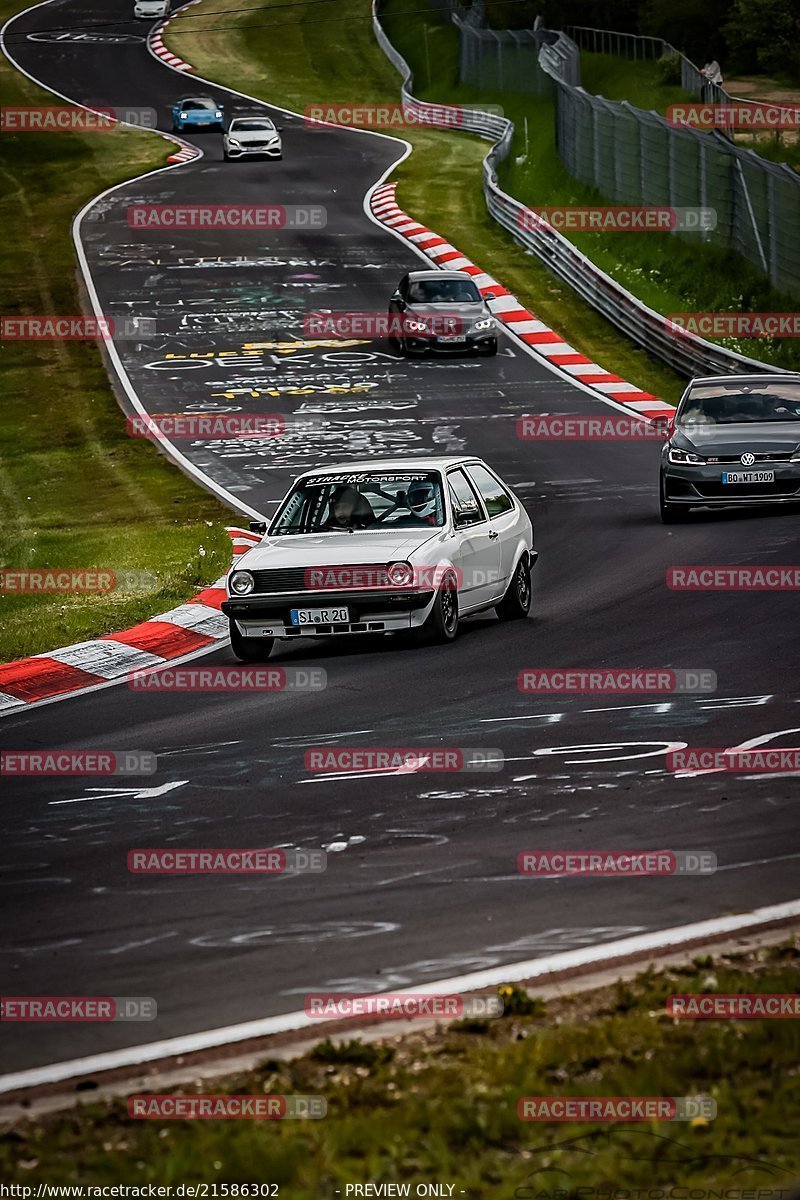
[
  {"x": 391, "y": 464},
  {"x": 438, "y": 275},
  {"x": 761, "y": 377},
  {"x": 209, "y": 99}
]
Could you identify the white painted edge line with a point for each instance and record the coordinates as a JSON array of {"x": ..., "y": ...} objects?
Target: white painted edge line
[
  {"x": 170, "y": 449},
  {"x": 588, "y": 956}
]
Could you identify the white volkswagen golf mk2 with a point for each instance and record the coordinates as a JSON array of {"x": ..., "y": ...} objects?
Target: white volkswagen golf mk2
[{"x": 382, "y": 547}]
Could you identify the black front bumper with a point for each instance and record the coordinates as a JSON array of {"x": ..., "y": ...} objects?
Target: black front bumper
[{"x": 702, "y": 486}]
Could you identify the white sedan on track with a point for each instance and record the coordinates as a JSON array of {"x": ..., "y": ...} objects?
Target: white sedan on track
[
  {"x": 381, "y": 547},
  {"x": 252, "y": 137},
  {"x": 150, "y": 10}
]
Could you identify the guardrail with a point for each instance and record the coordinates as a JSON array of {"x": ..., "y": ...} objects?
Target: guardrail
[{"x": 684, "y": 352}]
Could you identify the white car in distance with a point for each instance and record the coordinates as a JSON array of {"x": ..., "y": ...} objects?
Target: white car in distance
[
  {"x": 252, "y": 137},
  {"x": 381, "y": 547},
  {"x": 150, "y": 10}
]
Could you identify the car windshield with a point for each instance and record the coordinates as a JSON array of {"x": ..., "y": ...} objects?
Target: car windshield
[
  {"x": 732, "y": 404},
  {"x": 195, "y": 104},
  {"x": 262, "y": 123},
  {"x": 371, "y": 500},
  {"x": 443, "y": 291}
]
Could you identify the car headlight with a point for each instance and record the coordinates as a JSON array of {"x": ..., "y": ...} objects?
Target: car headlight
[
  {"x": 400, "y": 574},
  {"x": 796, "y": 456},
  {"x": 184, "y": 116},
  {"x": 484, "y": 323},
  {"x": 685, "y": 457},
  {"x": 241, "y": 582},
  {"x": 233, "y": 142},
  {"x": 415, "y": 326},
  {"x": 218, "y": 114}
]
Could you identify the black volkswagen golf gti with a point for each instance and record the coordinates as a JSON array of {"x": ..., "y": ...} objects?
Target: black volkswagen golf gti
[{"x": 734, "y": 440}]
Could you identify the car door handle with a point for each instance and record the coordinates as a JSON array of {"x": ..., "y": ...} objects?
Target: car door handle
[{"x": 493, "y": 534}]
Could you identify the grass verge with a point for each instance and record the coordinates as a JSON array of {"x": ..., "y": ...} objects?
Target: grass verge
[
  {"x": 441, "y": 1105},
  {"x": 75, "y": 491}
]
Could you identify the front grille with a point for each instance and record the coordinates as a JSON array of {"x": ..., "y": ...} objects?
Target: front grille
[
  {"x": 319, "y": 579},
  {"x": 778, "y": 456}
]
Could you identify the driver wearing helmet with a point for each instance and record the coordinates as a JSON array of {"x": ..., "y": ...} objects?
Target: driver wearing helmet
[{"x": 421, "y": 501}]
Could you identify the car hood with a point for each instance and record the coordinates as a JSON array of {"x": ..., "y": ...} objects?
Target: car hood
[
  {"x": 253, "y": 135},
  {"x": 768, "y": 437},
  {"x": 474, "y": 311},
  {"x": 334, "y": 549}
]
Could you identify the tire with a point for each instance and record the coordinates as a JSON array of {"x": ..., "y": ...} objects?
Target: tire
[
  {"x": 225, "y": 156},
  {"x": 399, "y": 347},
  {"x": 442, "y": 624},
  {"x": 516, "y": 604},
  {"x": 492, "y": 350},
  {"x": 249, "y": 649},
  {"x": 175, "y": 128}
]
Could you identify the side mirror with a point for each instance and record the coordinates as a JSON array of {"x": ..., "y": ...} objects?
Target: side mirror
[
  {"x": 279, "y": 128},
  {"x": 396, "y": 295},
  {"x": 258, "y": 526},
  {"x": 467, "y": 514},
  {"x": 664, "y": 426},
  {"x": 489, "y": 296}
]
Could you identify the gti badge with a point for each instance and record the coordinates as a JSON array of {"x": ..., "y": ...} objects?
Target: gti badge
[{"x": 748, "y": 459}]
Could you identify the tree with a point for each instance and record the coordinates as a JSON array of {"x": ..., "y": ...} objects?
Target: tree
[{"x": 765, "y": 35}]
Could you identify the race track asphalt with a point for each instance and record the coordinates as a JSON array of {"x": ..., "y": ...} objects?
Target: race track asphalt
[{"x": 422, "y": 882}]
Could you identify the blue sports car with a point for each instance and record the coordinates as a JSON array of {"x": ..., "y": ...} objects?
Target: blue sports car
[{"x": 197, "y": 112}]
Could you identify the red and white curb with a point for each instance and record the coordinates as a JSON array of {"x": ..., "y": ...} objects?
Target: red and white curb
[
  {"x": 198, "y": 624},
  {"x": 156, "y": 44},
  {"x": 517, "y": 319},
  {"x": 185, "y": 154}
]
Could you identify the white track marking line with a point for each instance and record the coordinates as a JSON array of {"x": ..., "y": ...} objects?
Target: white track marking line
[{"x": 586, "y": 956}]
